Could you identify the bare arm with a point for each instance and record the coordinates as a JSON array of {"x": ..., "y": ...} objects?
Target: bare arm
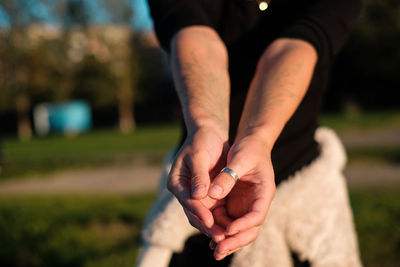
[
  {"x": 199, "y": 64},
  {"x": 200, "y": 71},
  {"x": 281, "y": 81},
  {"x": 282, "y": 77}
]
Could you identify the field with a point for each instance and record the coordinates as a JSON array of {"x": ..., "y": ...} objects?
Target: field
[
  {"x": 149, "y": 144},
  {"x": 104, "y": 230},
  {"x": 71, "y": 231}
]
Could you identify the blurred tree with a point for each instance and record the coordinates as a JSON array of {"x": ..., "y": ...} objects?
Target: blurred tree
[
  {"x": 121, "y": 62},
  {"x": 124, "y": 63},
  {"x": 51, "y": 81},
  {"x": 30, "y": 62},
  {"x": 118, "y": 11},
  {"x": 17, "y": 57},
  {"x": 77, "y": 14},
  {"x": 155, "y": 82},
  {"x": 95, "y": 82}
]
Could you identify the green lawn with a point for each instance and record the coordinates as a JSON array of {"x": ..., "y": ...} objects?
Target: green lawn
[
  {"x": 71, "y": 231},
  {"x": 105, "y": 230},
  {"x": 377, "y": 217},
  {"x": 149, "y": 144},
  {"x": 363, "y": 121},
  {"x": 42, "y": 155},
  {"x": 375, "y": 154}
]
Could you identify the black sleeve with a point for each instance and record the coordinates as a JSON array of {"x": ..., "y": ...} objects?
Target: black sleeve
[
  {"x": 170, "y": 16},
  {"x": 326, "y": 25}
]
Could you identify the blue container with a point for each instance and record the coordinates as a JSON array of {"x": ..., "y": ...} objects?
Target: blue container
[{"x": 69, "y": 117}]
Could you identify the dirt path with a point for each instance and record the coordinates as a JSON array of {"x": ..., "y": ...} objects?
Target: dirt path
[
  {"x": 129, "y": 180},
  {"x": 372, "y": 138},
  {"x": 134, "y": 179},
  {"x": 368, "y": 175},
  {"x": 112, "y": 180}
]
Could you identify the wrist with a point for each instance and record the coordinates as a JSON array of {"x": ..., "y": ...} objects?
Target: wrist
[
  {"x": 262, "y": 135},
  {"x": 219, "y": 128}
]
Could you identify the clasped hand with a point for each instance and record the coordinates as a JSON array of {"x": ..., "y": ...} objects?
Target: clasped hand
[{"x": 230, "y": 213}]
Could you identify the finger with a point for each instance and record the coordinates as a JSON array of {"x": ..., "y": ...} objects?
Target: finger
[
  {"x": 255, "y": 217},
  {"x": 221, "y": 217},
  {"x": 196, "y": 223},
  {"x": 199, "y": 164},
  {"x": 215, "y": 232},
  {"x": 179, "y": 186},
  {"x": 198, "y": 209},
  {"x": 234, "y": 243},
  {"x": 178, "y": 178},
  {"x": 221, "y": 186},
  {"x": 224, "y": 182},
  {"x": 212, "y": 245}
]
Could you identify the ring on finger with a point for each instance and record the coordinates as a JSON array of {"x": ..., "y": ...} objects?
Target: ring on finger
[{"x": 232, "y": 173}]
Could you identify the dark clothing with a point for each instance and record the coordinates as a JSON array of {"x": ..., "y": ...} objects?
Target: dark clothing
[
  {"x": 195, "y": 254},
  {"x": 247, "y": 32}
]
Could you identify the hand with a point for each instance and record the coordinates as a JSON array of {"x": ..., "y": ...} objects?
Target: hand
[
  {"x": 202, "y": 155},
  {"x": 246, "y": 202}
]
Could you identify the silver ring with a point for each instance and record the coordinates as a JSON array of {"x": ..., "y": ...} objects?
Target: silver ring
[{"x": 231, "y": 173}]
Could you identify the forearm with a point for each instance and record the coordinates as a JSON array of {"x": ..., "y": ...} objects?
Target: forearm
[
  {"x": 199, "y": 63},
  {"x": 282, "y": 77}
]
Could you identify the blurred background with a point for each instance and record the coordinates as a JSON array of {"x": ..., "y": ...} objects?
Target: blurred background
[{"x": 88, "y": 112}]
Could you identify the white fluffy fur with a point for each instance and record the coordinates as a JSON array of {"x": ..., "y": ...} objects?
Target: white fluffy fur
[{"x": 310, "y": 215}]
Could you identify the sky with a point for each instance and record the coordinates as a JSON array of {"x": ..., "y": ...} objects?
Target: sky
[{"x": 141, "y": 20}]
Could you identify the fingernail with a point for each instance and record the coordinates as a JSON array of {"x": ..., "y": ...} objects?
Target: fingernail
[
  {"x": 232, "y": 232},
  {"x": 220, "y": 255},
  {"x": 199, "y": 190},
  {"x": 215, "y": 191},
  {"x": 218, "y": 239},
  {"x": 209, "y": 222}
]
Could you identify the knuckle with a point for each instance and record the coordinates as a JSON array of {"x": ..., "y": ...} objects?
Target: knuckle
[{"x": 198, "y": 180}]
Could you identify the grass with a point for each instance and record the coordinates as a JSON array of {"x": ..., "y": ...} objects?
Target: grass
[
  {"x": 105, "y": 230},
  {"x": 149, "y": 144},
  {"x": 71, "y": 231},
  {"x": 389, "y": 155},
  {"x": 362, "y": 121},
  {"x": 377, "y": 217}
]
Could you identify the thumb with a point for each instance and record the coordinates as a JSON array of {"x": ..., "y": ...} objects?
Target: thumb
[
  {"x": 225, "y": 181},
  {"x": 200, "y": 180}
]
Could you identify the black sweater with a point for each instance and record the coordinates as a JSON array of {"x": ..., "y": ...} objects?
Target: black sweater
[{"x": 247, "y": 31}]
